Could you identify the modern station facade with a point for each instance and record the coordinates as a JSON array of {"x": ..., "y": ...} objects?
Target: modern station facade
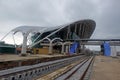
[{"x": 48, "y": 40}]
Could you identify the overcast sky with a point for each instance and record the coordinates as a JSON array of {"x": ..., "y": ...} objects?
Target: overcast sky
[{"x": 106, "y": 14}]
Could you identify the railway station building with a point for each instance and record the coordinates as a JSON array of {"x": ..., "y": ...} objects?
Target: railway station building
[{"x": 48, "y": 40}]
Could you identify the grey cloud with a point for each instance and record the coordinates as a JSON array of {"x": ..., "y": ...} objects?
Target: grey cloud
[
  {"x": 41, "y": 12},
  {"x": 81, "y": 9},
  {"x": 56, "y": 12},
  {"x": 109, "y": 20}
]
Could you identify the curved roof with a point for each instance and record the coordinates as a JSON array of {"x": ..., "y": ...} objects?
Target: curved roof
[
  {"x": 84, "y": 28},
  {"x": 78, "y": 29}
]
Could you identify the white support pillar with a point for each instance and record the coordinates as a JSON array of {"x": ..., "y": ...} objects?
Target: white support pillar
[
  {"x": 69, "y": 48},
  {"x": 113, "y": 51},
  {"x": 66, "y": 48},
  {"x": 24, "y": 45},
  {"x": 50, "y": 48},
  {"x": 62, "y": 48}
]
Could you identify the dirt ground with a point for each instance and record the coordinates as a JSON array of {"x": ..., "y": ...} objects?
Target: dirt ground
[{"x": 106, "y": 68}]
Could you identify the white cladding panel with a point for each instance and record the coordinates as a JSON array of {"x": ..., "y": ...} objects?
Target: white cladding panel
[{"x": 113, "y": 51}]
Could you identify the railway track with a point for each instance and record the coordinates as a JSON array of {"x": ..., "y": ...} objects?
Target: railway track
[
  {"x": 32, "y": 72},
  {"x": 80, "y": 70}
]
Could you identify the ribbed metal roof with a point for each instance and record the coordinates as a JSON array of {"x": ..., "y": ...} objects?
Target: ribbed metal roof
[{"x": 86, "y": 28}]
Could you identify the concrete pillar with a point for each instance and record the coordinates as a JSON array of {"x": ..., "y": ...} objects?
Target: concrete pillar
[
  {"x": 62, "y": 48},
  {"x": 66, "y": 49},
  {"x": 82, "y": 48},
  {"x": 24, "y": 45},
  {"x": 69, "y": 48},
  {"x": 113, "y": 51},
  {"x": 50, "y": 48}
]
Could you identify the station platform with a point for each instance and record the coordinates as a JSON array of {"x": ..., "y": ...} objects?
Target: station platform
[
  {"x": 15, "y": 57},
  {"x": 8, "y": 61},
  {"x": 106, "y": 68}
]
